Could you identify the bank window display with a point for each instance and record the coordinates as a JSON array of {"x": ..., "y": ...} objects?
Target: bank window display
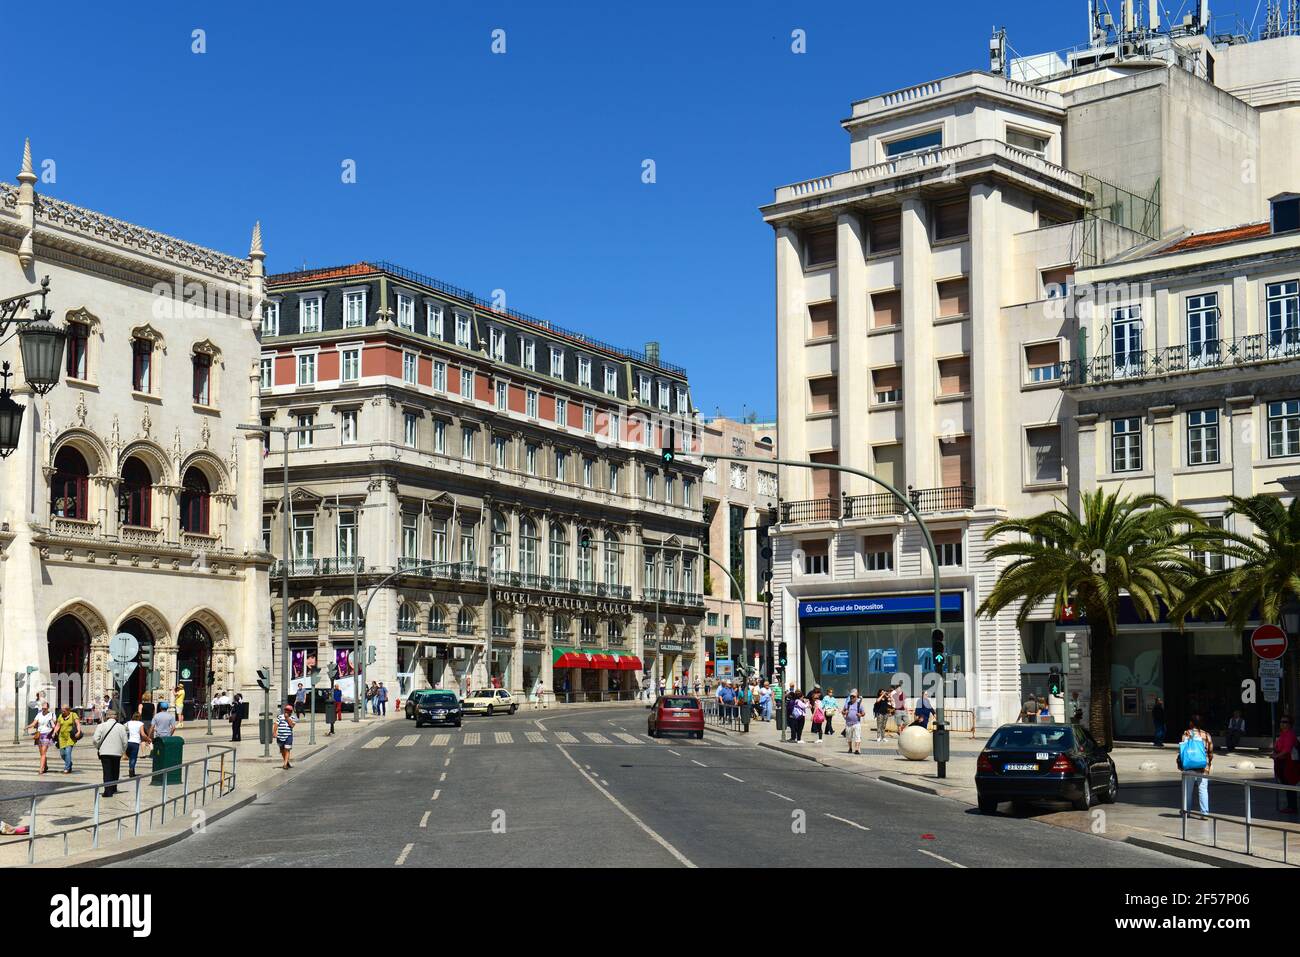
[{"x": 866, "y": 652}]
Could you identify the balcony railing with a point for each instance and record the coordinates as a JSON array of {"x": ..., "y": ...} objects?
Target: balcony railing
[
  {"x": 672, "y": 597},
  {"x": 342, "y": 566},
  {"x": 1176, "y": 359},
  {"x": 813, "y": 510},
  {"x": 877, "y": 505},
  {"x": 951, "y": 498}
]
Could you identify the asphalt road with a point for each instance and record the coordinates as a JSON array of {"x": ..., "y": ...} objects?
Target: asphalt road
[{"x": 588, "y": 788}]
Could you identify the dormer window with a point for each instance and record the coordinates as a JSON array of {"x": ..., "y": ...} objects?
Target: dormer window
[
  {"x": 405, "y": 312},
  {"x": 354, "y": 309},
  {"x": 271, "y": 318},
  {"x": 462, "y": 330},
  {"x": 309, "y": 314},
  {"x": 498, "y": 341},
  {"x": 1285, "y": 212}
]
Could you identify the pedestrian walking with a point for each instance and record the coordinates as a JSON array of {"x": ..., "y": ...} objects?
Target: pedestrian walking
[
  {"x": 179, "y": 700},
  {"x": 42, "y": 729},
  {"x": 831, "y": 707},
  {"x": 110, "y": 743},
  {"x": 1028, "y": 711},
  {"x": 236, "y": 716},
  {"x": 1195, "y": 756},
  {"x": 853, "y": 713},
  {"x": 765, "y": 701},
  {"x": 1286, "y": 761},
  {"x": 300, "y": 700},
  {"x": 1076, "y": 711},
  {"x": 136, "y": 735},
  {"x": 798, "y": 714},
  {"x": 337, "y": 697},
  {"x": 332, "y": 711},
  {"x": 898, "y": 701},
  {"x": 881, "y": 711},
  {"x": 67, "y": 732},
  {"x": 163, "y": 724},
  {"x": 284, "y": 736},
  {"x": 1158, "y": 721},
  {"x": 1044, "y": 712},
  {"x": 1236, "y": 730},
  {"x": 697, "y": 687},
  {"x": 147, "y": 707},
  {"x": 818, "y": 715},
  {"x": 383, "y": 699}
]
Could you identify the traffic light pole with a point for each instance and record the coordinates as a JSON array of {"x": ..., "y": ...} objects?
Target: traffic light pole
[{"x": 941, "y": 732}]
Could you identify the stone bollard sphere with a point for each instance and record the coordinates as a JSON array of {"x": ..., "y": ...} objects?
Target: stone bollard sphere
[{"x": 915, "y": 743}]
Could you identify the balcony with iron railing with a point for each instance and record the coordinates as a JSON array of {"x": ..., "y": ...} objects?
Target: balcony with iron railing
[
  {"x": 1256, "y": 349},
  {"x": 876, "y": 505}
]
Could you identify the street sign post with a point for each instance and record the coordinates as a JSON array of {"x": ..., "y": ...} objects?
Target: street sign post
[
  {"x": 122, "y": 649},
  {"x": 1269, "y": 642}
]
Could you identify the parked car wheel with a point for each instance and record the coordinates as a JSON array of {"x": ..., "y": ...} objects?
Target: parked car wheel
[
  {"x": 1111, "y": 794},
  {"x": 988, "y": 806},
  {"x": 489, "y": 711},
  {"x": 514, "y": 708},
  {"x": 458, "y": 724},
  {"x": 1084, "y": 802}
]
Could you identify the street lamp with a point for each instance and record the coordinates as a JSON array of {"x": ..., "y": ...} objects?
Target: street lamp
[
  {"x": 40, "y": 341},
  {"x": 11, "y": 415}
]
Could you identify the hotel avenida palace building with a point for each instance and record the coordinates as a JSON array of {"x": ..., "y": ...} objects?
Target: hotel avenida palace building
[
  {"x": 489, "y": 484},
  {"x": 132, "y": 502}
]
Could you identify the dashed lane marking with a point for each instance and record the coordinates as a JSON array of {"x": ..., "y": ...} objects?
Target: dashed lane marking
[
  {"x": 845, "y": 820},
  {"x": 700, "y": 763},
  {"x": 733, "y": 777},
  {"x": 424, "y": 821},
  {"x": 447, "y": 763},
  {"x": 443, "y": 778},
  {"x": 408, "y": 740},
  {"x": 921, "y": 850},
  {"x": 671, "y": 751},
  {"x": 378, "y": 742},
  {"x": 401, "y": 858},
  {"x": 435, "y": 794},
  {"x": 781, "y": 796}
]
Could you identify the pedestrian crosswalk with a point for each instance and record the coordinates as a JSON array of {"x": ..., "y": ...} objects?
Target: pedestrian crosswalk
[{"x": 459, "y": 738}]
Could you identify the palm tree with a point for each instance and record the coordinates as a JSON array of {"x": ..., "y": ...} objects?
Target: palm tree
[
  {"x": 1140, "y": 545},
  {"x": 1263, "y": 571}
]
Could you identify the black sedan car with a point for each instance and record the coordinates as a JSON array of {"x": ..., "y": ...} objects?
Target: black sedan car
[
  {"x": 435, "y": 706},
  {"x": 1044, "y": 762}
]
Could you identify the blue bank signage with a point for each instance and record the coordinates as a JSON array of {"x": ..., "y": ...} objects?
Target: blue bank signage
[{"x": 884, "y": 605}]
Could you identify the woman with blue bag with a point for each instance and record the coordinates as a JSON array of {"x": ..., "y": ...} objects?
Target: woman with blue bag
[{"x": 1195, "y": 755}]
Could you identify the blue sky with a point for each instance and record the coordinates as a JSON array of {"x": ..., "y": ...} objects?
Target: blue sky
[{"x": 520, "y": 171}]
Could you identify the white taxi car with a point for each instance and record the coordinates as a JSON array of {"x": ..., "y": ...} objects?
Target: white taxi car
[{"x": 489, "y": 701}]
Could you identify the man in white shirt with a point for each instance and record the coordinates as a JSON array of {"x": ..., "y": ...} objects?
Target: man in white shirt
[{"x": 898, "y": 700}]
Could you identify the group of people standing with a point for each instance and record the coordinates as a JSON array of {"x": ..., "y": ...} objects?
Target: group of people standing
[{"x": 821, "y": 708}]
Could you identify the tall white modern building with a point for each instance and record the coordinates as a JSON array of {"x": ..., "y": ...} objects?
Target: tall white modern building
[{"x": 925, "y": 325}]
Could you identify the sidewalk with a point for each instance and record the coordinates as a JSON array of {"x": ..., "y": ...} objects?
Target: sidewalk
[{"x": 1147, "y": 812}]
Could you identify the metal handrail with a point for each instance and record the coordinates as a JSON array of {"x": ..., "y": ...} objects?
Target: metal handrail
[
  {"x": 1280, "y": 826},
  {"x": 96, "y": 823},
  {"x": 1210, "y": 354}
]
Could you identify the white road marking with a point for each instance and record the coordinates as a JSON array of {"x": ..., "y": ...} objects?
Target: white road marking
[
  {"x": 505, "y": 737},
  {"x": 536, "y": 737},
  {"x": 733, "y": 777},
  {"x": 401, "y": 858},
  {"x": 436, "y": 792},
  {"x": 447, "y": 763},
  {"x": 781, "y": 796},
  {"x": 440, "y": 740},
  {"x": 604, "y": 782},
  {"x": 922, "y": 850},
  {"x": 700, "y": 763},
  {"x": 596, "y": 737},
  {"x": 408, "y": 740},
  {"x": 443, "y": 778},
  {"x": 424, "y": 821},
  {"x": 629, "y": 738},
  {"x": 565, "y": 738},
  {"x": 471, "y": 737},
  {"x": 671, "y": 751},
  {"x": 845, "y": 820},
  {"x": 682, "y": 858},
  {"x": 378, "y": 742}
]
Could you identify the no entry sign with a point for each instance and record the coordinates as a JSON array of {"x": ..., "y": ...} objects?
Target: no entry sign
[{"x": 1268, "y": 642}]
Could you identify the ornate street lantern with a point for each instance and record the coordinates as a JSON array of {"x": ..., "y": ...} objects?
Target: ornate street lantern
[
  {"x": 40, "y": 341},
  {"x": 11, "y": 416}
]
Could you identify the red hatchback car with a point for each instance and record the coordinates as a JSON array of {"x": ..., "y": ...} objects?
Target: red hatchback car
[{"x": 676, "y": 713}]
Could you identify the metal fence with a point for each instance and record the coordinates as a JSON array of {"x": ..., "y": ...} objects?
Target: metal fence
[
  {"x": 223, "y": 784},
  {"x": 1250, "y": 822}
]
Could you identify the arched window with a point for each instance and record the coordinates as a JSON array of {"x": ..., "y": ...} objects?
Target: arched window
[
  {"x": 346, "y": 616},
  {"x": 500, "y": 623},
  {"x": 615, "y": 630},
  {"x": 407, "y": 617},
  {"x": 529, "y": 545},
  {"x": 142, "y": 365},
  {"x": 560, "y": 628},
  {"x": 559, "y": 551},
  {"x": 588, "y": 628},
  {"x": 135, "y": 494},
  {"x": 613, "y": 559},
  {"x": 70, "y": 486},
  {"x": 532, "y": 627},
  {"x": 500, "y": 542},
  {"x": 302, "y": 617},
  {"x": 586, "y": 557},
  {"x": 437, "y": 620},
  {"x": 195, "y": 496},
  {"x": 464, "y": 621}
]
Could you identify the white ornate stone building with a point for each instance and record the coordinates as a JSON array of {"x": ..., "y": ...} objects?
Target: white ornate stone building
[{"x": 132, "y": 503}]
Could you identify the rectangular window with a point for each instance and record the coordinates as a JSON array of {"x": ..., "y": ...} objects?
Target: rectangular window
[
  {"x": 611, "y": 381},
  {"x": 528, "y": 353},
  {"x": 917, "y": 143},
  {"x": 141, "y": 364},
  {"x": 1213, "y": 561},
  {"x": 347, "y": 534},
  {"x": 951, "y": 220},
  {"x": 467, "y": 443},
  {"x": 530, "y": 403},
  {"x": 1202, "y": 331},
  {"x": 688, "y": 492},
  {"x": 304, "y": 536},
  {"x": 878, "y": 553},
  {"x": 1043, "y": 361},
  {"x": 670, "y": 490},
  {"x": 348, "y": 427},
  {"x": 497, "y": 342},
  {"x": 649, "y": 485},
  {"x": 410, "y": 535},
  {"x": 561, "y": 465},
  {"x": 467, "y": 384},
  {"x": 643, "y": 388},
  {"x": 954, "y": 298},
  {"x": 350, "y": 365},
  {"x": 439, "y": 375},
  {"x": 823, "y": 395},
  {"x": 433, "y": 316},
  {"x": 271, "y": 318},
  {"x": 663, "y": 396},
  {"x": 530, "y": 459},
  {"x": 816, "y": 557},
  {"x": 468, "y": 550},
  {"x": 266, "y": 371},
  {"x": 309, "y": 314},
  {"x": 561, "y": 410},
  {"x": 1283, "y": 308},
  {"x": 557, "y": 362},
  {"x": 202, "y": 378},
  {"x": 886, "y": 309},
  {"x": 307, "y": 368},
  {"x": 306, "y": 436},
  {"x": 822, "y": 320},
  {"x": 584, "y": 372},
  {"x": 462, "y": 330},
  {"x": 499, "y": 451},
  {"x": 1029, "y": 142},
  {"x": 948, "y": 547},
  {"x": 1284, "y": 428},
  {"x": 613, "y": 477},
  {"x": 77, "y": 349},
  {"x": 409, "y": 367},
  {"x": 588, "y": 473},
  {"x": 1129, "y": 359},
  {"x": 887, "y": 385},
  {"x": 440, "y": 437},
  {"x": 408, "y": 429},
  {"x": 1044, "y": 447},
  {"x": 819, "y": 246},
  {"x": 405, "y": 312},
  {"x": 588, "y": 419},
  {"x": 1203, "y": 437},
  {"x": 954, "y": 376},
  {"x": 354, "y": 310},
  {"x": 1126, "y": 445},
  {"x": 1057, "y": 282},
  {"x": 438, "y": 528},
  {"x": 502, "y": 395},
  {"x": 884, "y": 234}
]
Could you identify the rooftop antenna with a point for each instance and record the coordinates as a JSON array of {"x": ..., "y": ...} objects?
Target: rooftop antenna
[
  {"x": 998, "y": 52},
  {"x": 1153, "y": 16}
]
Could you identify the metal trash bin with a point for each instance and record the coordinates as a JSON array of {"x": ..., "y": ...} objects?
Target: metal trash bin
[
  {"x": 746, "y": 714},
  {"x": 168, "y": 752}
]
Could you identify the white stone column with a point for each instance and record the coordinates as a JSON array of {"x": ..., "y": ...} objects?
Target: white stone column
[
  {"x": 851, "y": 318},
  {"x": 791, "y": 331},
  {"x": 1246, "y": 434},
  {"x": 1088, "y": 465},
  {"x": 918, "y": 346},
  {"x": 988, "y": 427},
  {"x": 1162, "y": 449}
]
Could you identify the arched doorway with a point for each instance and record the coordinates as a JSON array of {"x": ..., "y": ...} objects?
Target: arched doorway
[
  {"x": 193, "y": 661},
  {"x": 69, "y": 650},
  {"x": 138, "y": 683}
]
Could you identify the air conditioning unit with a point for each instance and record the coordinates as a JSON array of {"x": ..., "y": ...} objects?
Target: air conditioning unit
[{"x": 459, "y": 653}]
